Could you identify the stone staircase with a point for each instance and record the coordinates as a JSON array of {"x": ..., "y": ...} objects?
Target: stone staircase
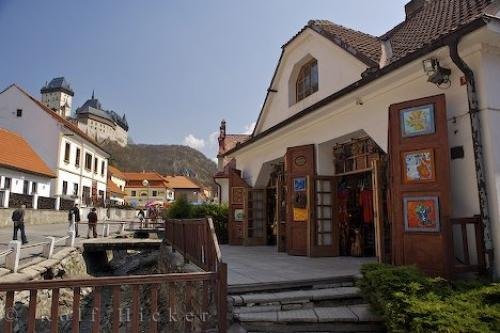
[{"x": 333, "y": 307}]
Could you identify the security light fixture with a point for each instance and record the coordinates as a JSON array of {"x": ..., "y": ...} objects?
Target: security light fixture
[{"x": 436, "y": 74}]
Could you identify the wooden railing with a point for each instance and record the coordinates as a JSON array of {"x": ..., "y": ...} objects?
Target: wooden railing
[
  {"x": 469, "y": 253},
  {"x": 196, "y": 240},
  {"x": 165, "y": 308}
]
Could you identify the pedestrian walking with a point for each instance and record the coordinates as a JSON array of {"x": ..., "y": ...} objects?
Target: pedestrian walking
[
  {"x": 92, "y": 217},
  {"x": 74, "y": 219},
  {"x": 18, "y": 219},
  {"x": 141, "y": 215}
]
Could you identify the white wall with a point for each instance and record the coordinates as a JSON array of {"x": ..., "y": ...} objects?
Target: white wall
[
  {"x": 18, "y": 178},
  {"x": 343, "y": 117},
  {"x": 336, "y": 68},
  {"x": 36, "y": 126},
  {"x": 48, "y": 138}
]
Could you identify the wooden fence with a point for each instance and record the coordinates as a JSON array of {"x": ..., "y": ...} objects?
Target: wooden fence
[
  {"x": 203, "y": 291},
  {"x": 469, "y": 245},
  {"x": 196, "y": 240}
]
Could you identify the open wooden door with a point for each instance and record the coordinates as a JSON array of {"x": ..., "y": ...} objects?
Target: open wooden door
[
  {"x": 255, "y": 217},
  {"x": 420, "y": 185},
  {"x": 324, "y": 227},
  {"x": 378, "y": 210}
]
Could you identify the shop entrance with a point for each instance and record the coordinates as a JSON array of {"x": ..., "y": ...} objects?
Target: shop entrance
[{"x": 361, "y": 225}]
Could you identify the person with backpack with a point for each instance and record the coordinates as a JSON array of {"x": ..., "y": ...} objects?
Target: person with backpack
[
  {"x": 92, "y": 217},
  {"x": 74, "y": 218},
  {"x": 18, "y": 219}
]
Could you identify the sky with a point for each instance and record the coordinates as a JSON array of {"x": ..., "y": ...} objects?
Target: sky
[{"x": 176, "y": 68}]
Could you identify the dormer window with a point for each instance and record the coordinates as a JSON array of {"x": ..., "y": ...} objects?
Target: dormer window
[{"x": 307, "y": 80}]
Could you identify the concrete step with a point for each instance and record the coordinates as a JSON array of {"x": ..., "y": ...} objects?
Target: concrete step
[
  {"x": 352, "y": 318},
  {"x": 283, "y": 298},
  {"x": 294, "y": 284}
]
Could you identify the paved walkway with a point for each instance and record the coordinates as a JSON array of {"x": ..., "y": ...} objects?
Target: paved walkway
[{"x": 263, "y": 264}]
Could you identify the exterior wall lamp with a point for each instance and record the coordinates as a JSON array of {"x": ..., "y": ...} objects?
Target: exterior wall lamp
[{"x": 436, "y": 74}]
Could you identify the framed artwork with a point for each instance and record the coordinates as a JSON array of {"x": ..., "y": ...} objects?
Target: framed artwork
[
  {"x": 239, "y": 214},
  {"x": 299, "y": 184},
  {"x": 421, "y": 214},
  {"x": 419, "y": 166},
  {"x": 238, "y": 196},
  {"x": 417, "y": 121}
]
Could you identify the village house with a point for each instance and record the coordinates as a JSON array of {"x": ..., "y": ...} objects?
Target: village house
[
  {"x": 24, "y": 177},
  {"x": 378, "y": 146},
  {"x": 143, "y": 188},
  {"x": 79, "y": 163},
  {"x": 116, "y": 186},
  {"x": 185, "y": 187}
]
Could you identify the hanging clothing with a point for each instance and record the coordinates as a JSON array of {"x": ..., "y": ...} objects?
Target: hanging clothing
[{"x": 366, "y": 203}]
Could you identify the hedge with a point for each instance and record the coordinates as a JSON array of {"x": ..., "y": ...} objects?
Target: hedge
[
  {"x": 411, "y": 302},
  {"x": 182, "y": 209}
]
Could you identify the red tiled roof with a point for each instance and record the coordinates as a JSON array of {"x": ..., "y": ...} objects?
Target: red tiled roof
[
  {"x": 181, "y": 182},
  {"x": 135, "y": 179},
  {"x": 113, "y": 188},
  {"x": 231, "y": 140},
  {"x": 17, "y": 154},
  {"x": 361, "y": 45},
  {"x": 436, "y": 19},
  {"x": 114, "y": 171}
]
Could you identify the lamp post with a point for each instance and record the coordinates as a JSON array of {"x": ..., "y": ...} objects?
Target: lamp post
[{"x": 145, "y": 183}]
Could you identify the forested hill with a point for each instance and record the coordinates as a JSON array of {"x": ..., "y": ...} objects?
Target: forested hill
[{"x": 165, "y": 159}]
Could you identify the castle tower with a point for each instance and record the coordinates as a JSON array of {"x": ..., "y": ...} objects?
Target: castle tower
[{"x": 57, "y": 95}]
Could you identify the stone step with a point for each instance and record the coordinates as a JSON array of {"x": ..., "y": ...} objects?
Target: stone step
[
  {"x": 352, "y": 318},
  {"x": 295, "y": 296},
  {"x": 338, "y": 281}
]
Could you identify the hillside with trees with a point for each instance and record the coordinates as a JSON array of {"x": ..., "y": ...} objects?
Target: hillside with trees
[{"x": 165, "y": 159}]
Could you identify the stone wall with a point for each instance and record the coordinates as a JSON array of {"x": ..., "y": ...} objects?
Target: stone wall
[
  {"x": 46, "y": 216},
  {"x": 33, "y": 216}
]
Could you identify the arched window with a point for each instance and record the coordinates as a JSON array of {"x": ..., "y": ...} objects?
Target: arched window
[{"x": 307, "y": 80}]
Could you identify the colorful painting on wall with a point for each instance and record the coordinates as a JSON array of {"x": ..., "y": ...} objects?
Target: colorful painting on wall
[
  {"x": 239, "y": 215},
  {"x": 238, "y": 195},
  {"x": 418, "y": 166},
  {"x": 299, "y": 184},
  {"x": 421, "y": 214},
  {"x": 418, "y": 121}
]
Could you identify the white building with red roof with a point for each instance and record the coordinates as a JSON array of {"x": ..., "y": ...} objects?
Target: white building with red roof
[{"x": 79, "y": 163}]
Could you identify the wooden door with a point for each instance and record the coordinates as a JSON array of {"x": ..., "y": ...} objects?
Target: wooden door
[
  {"x": 420, "y": 185},
  {"x": 324, "y": 227},
  {"x": 378, "y": 210},
  {"x": 300, "y": 170},
  {"x": 255, "y": 223}
]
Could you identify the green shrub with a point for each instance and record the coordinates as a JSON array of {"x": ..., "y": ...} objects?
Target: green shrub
[
  {"x": 219, "y": 215},
  {"x": 182, "y": 209},
  {"x": 412, "y": 302}
]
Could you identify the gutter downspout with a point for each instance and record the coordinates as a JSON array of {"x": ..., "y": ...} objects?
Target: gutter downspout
[{"x": 477, "y": 147}]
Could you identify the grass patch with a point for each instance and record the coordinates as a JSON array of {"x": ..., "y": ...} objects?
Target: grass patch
[{"x": 412, "y": 302}]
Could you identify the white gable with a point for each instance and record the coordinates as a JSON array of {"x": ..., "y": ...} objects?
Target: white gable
[{"x": 336, "y": 70}]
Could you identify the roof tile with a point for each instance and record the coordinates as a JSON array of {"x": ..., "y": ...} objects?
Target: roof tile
[{"x": 18, "y": 154}]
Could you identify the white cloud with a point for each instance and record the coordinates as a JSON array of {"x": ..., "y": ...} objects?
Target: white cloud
[
  {"x": 213, "y": 139},
  {"x": 249, "y": 128},
  {"x": 194, "y": 142}
]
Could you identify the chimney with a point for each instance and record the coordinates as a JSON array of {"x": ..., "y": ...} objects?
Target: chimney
[{"x": 413, "y": 7}]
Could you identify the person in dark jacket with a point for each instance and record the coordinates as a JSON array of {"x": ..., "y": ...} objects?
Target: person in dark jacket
[
  {"x": 18, "y": 219},
  {"x": 92, "y": 217},
  {"x": 74, "y": 218}
]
